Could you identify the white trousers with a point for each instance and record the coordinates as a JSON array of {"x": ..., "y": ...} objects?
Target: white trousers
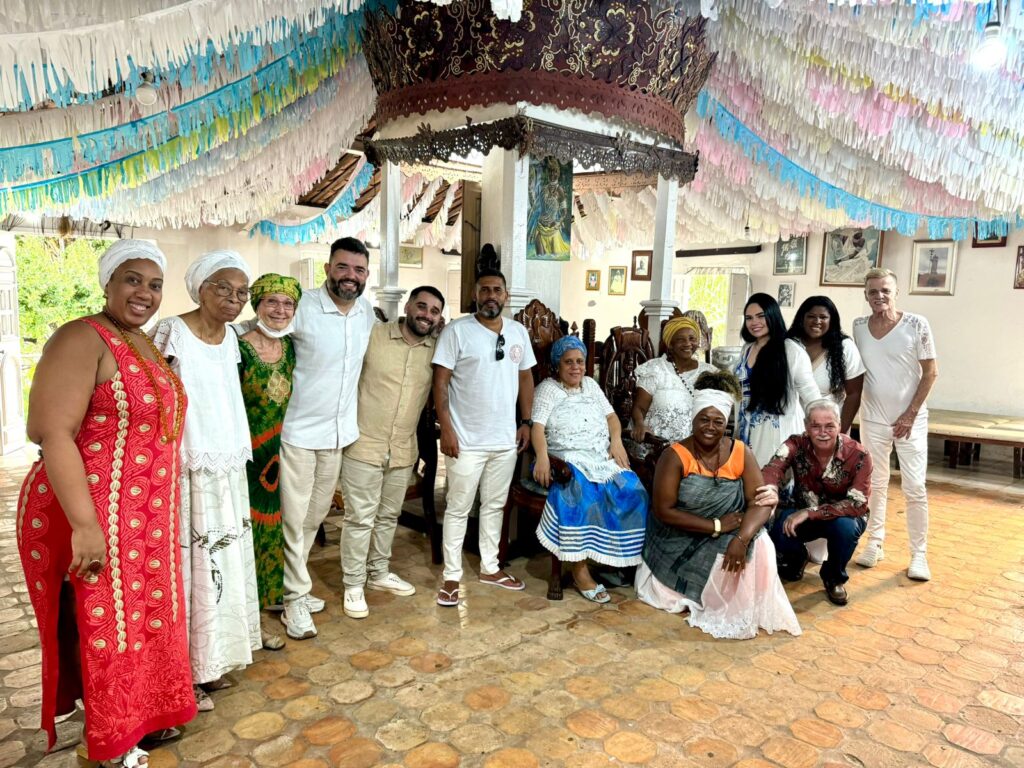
[
  {"x": 308, "y": 481},
  {"x": 373, "y": 502},
  {"x": 491, "y": 472},
  {"x": 913, "y": 455}
]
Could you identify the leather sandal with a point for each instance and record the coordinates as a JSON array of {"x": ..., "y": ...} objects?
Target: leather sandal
[
  {"x": 596, "y": 595},
  {"x": 504, "y": 581}
]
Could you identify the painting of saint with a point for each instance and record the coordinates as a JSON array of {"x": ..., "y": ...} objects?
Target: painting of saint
[{"x": 549, "y": 221}]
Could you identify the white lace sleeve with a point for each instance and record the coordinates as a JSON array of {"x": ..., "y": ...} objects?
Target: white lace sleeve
[
  {"x": 545, "y": 398},
  {"x": 647, "y": 376},
  {"x": 925, "y": 340},
  {"x": 167, "y": 337},
  {"x": 592, "y": 389}
]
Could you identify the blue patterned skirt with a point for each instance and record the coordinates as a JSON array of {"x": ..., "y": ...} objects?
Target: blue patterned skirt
[{"x": 604, "y": 522}]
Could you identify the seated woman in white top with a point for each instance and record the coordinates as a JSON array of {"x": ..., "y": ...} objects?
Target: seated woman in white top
[
  {"x": 835, "y": 361},
  {"x": 663, "y": 401}
]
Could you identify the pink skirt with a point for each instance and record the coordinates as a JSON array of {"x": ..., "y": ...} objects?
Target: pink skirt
[{"x": 733, "y": 606}]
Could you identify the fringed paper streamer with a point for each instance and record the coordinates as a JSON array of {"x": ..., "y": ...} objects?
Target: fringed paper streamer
[
  {"x": 436, "y": 230},
  {"x": 41, "y": 60},
  {"x": 339, "y": 209},
  {"x": 412, "y": 219}
]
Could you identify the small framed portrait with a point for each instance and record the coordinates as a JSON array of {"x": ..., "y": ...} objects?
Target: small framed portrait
[
  {"x": 593, "y": 282},
  {"x": 616, "y": 281},
  {"x": 790, "y": 257},
  {"x": 847, "y": 254},
  {"x": 641, "y": 265},
  {"x": 992, "y": 241},
  {"x": 410, "y": 256},
  {"x": 787, "y": 294},
  {"x": 1018, "y": 273},
  {"x": 933, "y": 267}
]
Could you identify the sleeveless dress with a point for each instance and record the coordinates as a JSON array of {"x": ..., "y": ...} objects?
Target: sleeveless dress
[
  {"x": 266, "y": 390},
  {"x": 128, "y": 621}
]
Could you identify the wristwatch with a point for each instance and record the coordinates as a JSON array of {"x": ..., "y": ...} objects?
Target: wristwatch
[
  {"x": 718, "y": 529},
  {"x": 526, "y": 422}
]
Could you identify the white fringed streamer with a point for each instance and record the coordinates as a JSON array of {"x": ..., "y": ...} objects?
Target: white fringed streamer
[
  {"x": 412, "y": 219},
  {"x": 436, "y": 230}
]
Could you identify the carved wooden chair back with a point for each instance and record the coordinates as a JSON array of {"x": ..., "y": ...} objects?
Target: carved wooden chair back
[{"x": 623, "y": 351}]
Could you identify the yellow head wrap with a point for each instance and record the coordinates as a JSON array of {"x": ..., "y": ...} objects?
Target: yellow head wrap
[{"x": 676, "y": 324}]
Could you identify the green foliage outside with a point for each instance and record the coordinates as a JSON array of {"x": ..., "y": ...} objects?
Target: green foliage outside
[
  {"x": 710, "y": 294},
  {"x": 56, "y": 284}
]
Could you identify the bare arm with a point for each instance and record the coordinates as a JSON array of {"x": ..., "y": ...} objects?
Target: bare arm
[
  {"x": 854, "y": 388},
  {"x": 525, "y": 408},
  {"x": 929, "y": 373},
  {"x": 63, "y": 385},
  {"x": 641, "y": 405},
  {"x": 449, "y": 442},
  {"x": 735, "y": 557},
  {"x": 542, "y": 467},
  {"x": 616, "y": 450}
]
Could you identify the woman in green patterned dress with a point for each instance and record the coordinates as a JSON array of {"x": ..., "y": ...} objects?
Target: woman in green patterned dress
[{"x": 268, "y": 360}]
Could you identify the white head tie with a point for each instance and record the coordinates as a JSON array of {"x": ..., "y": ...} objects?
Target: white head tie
[
  {"x": 201, "y": 269},
  {"x": 126, "y": 250},
  {"x": 713, "y": 398}
]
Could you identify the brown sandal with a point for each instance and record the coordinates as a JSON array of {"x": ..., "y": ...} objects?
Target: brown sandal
[{"x": 504, "y": 581}]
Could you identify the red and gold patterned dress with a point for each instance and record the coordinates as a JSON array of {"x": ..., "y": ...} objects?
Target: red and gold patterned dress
[{"x": 130, "y": 666}]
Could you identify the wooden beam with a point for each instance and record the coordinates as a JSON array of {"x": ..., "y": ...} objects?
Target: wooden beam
[{"x": 738, "y": 249}]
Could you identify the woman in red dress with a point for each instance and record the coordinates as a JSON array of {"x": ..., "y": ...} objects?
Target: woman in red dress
[{"x": 98, "y": 519}]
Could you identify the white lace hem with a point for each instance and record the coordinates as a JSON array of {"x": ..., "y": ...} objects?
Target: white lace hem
[{"x": 217, "y": 463}]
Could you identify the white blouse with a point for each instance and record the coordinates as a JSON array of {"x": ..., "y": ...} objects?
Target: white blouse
[
  {"x": 670, "y": 416},
  {"x": 216, "y": 436},
  {"x": 819, "y": 367}
]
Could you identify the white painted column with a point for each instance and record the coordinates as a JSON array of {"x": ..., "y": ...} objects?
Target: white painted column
[
  {"x": 661, "y": 304},
  {"x": 389, "y": 295},
  {"x": 503, "y": 202}
]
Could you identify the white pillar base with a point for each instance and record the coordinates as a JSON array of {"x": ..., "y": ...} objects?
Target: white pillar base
[
  {"x": 389, "y": 300},
  {"x": 658, "y": 312}
]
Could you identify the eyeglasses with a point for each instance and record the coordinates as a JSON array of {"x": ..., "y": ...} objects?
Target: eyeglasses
[
  {"x": 224, "y": 291},
  {"x": 287, "y": 304},
  {"x": 499, "y": 348}
]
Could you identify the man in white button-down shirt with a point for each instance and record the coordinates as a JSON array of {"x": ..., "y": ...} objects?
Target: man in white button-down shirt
[{"x": 332, "y": 328}]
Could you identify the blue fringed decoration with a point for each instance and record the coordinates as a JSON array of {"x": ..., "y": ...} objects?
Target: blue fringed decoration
[
  {"x": 339, "y": 210},
  {"x": 856, "y": 208}
]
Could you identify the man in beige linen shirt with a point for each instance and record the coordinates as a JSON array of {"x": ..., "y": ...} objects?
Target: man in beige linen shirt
[{"x": 393, "y": 389}]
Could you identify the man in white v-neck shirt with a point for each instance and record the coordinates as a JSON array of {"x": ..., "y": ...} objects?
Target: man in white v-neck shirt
[
  {"x": 898, "y": 351},
  {"x": 482, "y": 368}
]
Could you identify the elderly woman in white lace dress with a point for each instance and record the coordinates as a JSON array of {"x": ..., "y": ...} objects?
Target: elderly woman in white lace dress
[
  {"x": 600, "y": 514},
  {"x": 218, "y": 561},
  {"x": 663, "y": 401}
]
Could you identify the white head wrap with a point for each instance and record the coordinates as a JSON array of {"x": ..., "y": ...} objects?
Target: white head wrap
[
  {"x": 714, "y": 398},
  {"x": 214, "y": 261},
  {"x": 126, "y": 250}
]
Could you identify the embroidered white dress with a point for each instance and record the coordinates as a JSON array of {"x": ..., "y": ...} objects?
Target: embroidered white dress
[
  {"x": 217, "y": 556},
  {"x": 670, "y": 416}
]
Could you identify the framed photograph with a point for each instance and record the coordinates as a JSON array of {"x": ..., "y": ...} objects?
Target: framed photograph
[
  {"x": 933, "y": 267},
  {"x": 616, "y": 281},
  {"x": 593, "y": 280},
  {"x": 993, "y": 241},
  {"x": 549, "y": 210},
  {"x": 787, "y": 294},
  {"x": 641, "y": 265},
  {"x": 410, "y": 256},
  {"x": 1018, "y": 273},
  {"x": 791, "y": 257},
  {"x": 847, "y": 255}
]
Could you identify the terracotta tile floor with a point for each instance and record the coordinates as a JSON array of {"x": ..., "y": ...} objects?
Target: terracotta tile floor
[{"x": 907, "y": 674}]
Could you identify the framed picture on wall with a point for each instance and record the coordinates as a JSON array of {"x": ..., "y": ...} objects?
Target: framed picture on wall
[
  {"x": 993, "y": 241},
  {"x": 1018, "y": 273},
  {"x": 410, "y": 256},
  {"x": 641, "y": 265},
  {"x": 790, "y": 257},
  {"x": 787, "y": 294},
  {"x": 593, "y": 282},
  {"x": 847, "y": 255},
  {"x": 933, "y": 267},
  {"x": 616, "y": 281}
]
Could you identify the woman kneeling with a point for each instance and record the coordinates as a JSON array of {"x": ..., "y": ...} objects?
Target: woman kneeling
[{"x": 705, "y": 550}]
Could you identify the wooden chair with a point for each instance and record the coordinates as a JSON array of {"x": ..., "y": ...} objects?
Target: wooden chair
[
  {"x": 544, "y": 328},
  {"x": 706, "y": 331}
]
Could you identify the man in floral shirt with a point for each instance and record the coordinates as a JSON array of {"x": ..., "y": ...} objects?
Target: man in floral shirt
[{"x": 832, "y": 480}]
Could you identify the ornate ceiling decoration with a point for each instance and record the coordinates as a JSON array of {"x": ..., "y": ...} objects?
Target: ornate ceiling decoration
[{"x": 618, "y": 59}]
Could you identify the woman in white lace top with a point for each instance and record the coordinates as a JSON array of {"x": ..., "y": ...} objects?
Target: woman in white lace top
[
  {"x": 218, "y": 563},
  {"x": 663, "y": 401}
]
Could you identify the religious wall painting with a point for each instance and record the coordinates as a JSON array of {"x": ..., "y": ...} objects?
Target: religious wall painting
[
  {"x": 787, "y": 294},
  {"x": 616, "y": 281},
  {"x": 593, "y": 281},
  {"x": 790, "y": 257},
  {"x": 549, "y": 214},
  {"x": 410, "y": 256},
  {"x": 847, "y": 254},
  {"x": 1018, "y": 272},
  {"x": 992, "y": 241},
  {"x": 641, "y": 265},
  {"x": 933, "y": 267}
]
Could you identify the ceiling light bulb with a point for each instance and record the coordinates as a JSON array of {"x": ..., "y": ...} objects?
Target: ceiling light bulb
[
  {"x": 146, "y": 95},
  {"x": 991, "y": 54}
]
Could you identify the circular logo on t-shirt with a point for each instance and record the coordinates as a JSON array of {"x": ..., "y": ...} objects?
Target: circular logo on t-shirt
[{"x": 515, "y": 354}]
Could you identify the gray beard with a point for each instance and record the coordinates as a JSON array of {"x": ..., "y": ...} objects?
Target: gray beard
[{"x": 490, "y": 314}]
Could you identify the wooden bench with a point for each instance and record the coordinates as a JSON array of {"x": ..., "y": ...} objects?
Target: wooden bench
[{"x": 964, "y": 431}]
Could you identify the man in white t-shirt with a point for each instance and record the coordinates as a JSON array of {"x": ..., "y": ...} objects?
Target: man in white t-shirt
[
  {"x": 899, "y": 354},
  {"x": 482, "y": 368}
]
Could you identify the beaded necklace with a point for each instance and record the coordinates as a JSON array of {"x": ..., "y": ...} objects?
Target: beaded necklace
[{"x": 168, "y": 433}]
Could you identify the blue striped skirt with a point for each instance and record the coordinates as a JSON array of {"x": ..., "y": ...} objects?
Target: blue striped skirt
[{"x": 603, "y": 522}]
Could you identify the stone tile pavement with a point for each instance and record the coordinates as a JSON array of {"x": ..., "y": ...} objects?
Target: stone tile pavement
[{"x": 908, "y": 674}]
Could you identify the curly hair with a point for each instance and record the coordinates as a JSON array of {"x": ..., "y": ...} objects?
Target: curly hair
[
  {"x": 723, "y": 381},
  {"x": 769, "y": 378},
  {"x": 831, "y": 342}
]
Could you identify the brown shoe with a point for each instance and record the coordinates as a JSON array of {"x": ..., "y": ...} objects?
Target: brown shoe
[{"x": 836, "y": 594}]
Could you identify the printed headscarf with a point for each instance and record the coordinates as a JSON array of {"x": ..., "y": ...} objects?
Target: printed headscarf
[{"x": 275, "y": 283}]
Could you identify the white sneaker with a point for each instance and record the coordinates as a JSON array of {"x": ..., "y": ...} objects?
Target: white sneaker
[
  {"x": 355, "y": 603},
  {"x": 918, "y": 570},
  {"x": 315, "y": 604},
  {"x": 297, "y": 621},
  {"x": 393, "y": 584},
  {"x": 871, "y": 556}
]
